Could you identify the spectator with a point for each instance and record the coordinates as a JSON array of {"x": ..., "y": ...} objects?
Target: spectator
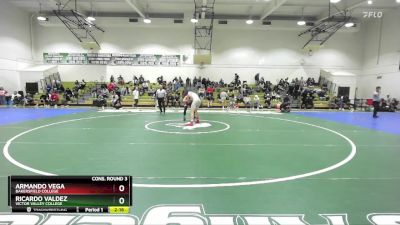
[
  {"x": 82, "y": 85},
  {"x": 135, "y": 81},
  {"x": 177, "y": 102},
  {"x": 68, "y": 94},
  {"x": 8, "y": 99},
  {"x": 257, "y": 102},
  {"x": 341, "y": 103},
  {"x": 268, "y": 100},
  {"x": 376, "y": 99},
  {"x": 141, "y": 79},
  {"x": 223, "y": 97},
  {"x": 188, "y": 83},
  {"x": 111, "y": 87},
  {"x": 257, "y": 78},
  {"x": 135, "y": 94},
  {"x": 116, "y": 101},
  {"x": 2, "y": 96},
  {"x": 285, "y": 106},
  {"x": 121, "y": 80},
  {"x": 201, "y": 92},
  {"x": 160, "y": 80},
  {"x": 247, "y": 102},
  {"x": 170, "y": 99},
  {"x": 54, "y": 98},
  {"x": 210, "y": 96},
  {"x": 44, "y": 99},
  {"x": 61, "y": 88},
  {"x": 221, "y": 83},
  {"x": 28, "y": 100}
]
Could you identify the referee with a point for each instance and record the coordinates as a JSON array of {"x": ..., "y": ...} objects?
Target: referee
[
  {"x": 160, "y": 95},
  {"x": 376, "y": 101}
]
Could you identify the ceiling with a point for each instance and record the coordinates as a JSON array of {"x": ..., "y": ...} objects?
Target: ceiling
[{"x": 317, "y": 9}]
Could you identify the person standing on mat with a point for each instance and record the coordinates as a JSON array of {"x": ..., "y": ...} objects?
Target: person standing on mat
[
  {"x": 376, "y": 101},
  {"x": 160, "y": 95},
  {"x": 194, "y": 107},
  {"x": 186, "y": 103}
]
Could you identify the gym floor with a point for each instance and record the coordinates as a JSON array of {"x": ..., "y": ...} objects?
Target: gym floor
[{"x": 307, "y": 163}]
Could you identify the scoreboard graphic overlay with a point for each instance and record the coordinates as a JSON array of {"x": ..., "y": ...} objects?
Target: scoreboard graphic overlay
[{"x": 70, "y": 194}]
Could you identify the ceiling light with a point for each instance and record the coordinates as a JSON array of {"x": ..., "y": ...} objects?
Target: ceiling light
[
  {"x": 91, "y": 18},
  {"x": 147, "y": 20},
  {"x": 194, "y": 20},
  {"x": 349, "y": 24},
  {"x": 301, "y": 22},
  {"x": 370, "y": 2},
  {"x": 249, "y": 21},
  {"x": 398, "y": 1},
  {"x": 335, "y": 1},
  {"x": 41, "y": 18}
]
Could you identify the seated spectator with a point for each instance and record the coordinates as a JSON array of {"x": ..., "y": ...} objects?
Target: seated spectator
[
  {"x": 82, "y": 85},
  {"x": 61, "y": 88},
  {"x": 239, "y": 98},
  {"x": 221, "y": 83},
  {"x": 257, "y": 102},
  {"x": 285, "y": 106},
  {"x": 54, "y": 99},
  {"x": 141, "y": 79},
  {"x": 341, "y": 103},
  {"x": 116, "y": 101},
  {"x": 68, "y": 94},
  {"x": 247, "y": 102},
  {"x": 308, "y": 101},
  {"x": 111, "y": 87},
  {"x": 262, "y": 82},
  {"x": 146, "y": 86},
  {"x": 48, "y": 88},
  {"x": 393, "y": 105},
  {"x": 160, "y": 80},
  {"x": 121, "y": 80},
  {"x": 202, "y": 92},
  {"x": 170, "y": 99},
  {"x": 188, "y": 83},
  {"x": 268, "y": 100},
  {"x": 180, "y": 81},
  {"x": 177, "y": 101},
  {"x": 17, "y": 98},
  {"x": 28, "y": 100},
  {"x": 223, "y": 96},
  {"x": 100, "y": 102},
  {"x": 236, "y": 80},
  {"x": 135, "y": 81}
]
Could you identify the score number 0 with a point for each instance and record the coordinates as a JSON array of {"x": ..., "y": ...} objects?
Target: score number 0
[{"x": 121, "y": 200}]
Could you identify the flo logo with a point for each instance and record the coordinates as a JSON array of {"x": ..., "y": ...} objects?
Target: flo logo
[
  {"x": 192, "y": 215},
  {"x": 179, "y": 127},
  {"x": 373, "y": 14},
  {"x": 185, "y": 126}
]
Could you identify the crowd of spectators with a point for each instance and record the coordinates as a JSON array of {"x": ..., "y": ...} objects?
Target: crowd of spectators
[{"x": 229, "y": 95}]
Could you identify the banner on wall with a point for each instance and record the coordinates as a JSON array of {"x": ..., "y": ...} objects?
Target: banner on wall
[{"x": 111, "y": 59}]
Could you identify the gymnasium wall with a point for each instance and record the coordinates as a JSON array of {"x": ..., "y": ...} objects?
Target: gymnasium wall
[
  {"x": 271, "y": 52},
  {"x": 15, "y": 45},
  {"x": 381, "y": 56}
]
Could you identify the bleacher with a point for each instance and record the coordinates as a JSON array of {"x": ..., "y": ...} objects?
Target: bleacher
[{"x": 86, "y": 99}]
